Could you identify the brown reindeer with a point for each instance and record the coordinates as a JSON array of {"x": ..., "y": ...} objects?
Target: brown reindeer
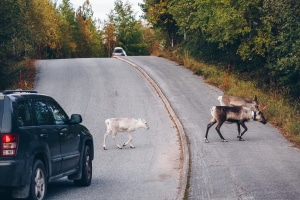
[
  {"x": 236, "y": 114},
  {"x": 238, "y": 101}
]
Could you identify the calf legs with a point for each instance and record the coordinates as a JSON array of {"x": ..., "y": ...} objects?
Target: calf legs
[
  {"x": 129, "y": 141},
  {"x": 114, "y": 134},
  {"x": 105, "y": 135}
]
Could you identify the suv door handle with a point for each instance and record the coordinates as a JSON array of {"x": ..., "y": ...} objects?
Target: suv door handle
[
  {"x": 62, "y": 129},
  {"x": 43, "y": 135}
]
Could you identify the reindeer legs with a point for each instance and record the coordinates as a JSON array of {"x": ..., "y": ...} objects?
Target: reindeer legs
[
  {"x": 219, "y": 132},
  {"x": 114, "y": 136},
  {"x": 105, "y": 135},
  {"x": 212, "y": 122},
  {"x": 239, "y": 131},
  {"x": 129, "y": 141},
  {"x": 245, "y": 129}
]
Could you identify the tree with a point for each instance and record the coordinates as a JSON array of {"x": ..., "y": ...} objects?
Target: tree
[
  {"x": 44, "y": 23},
  {"x": 281, "y": 26},
  {"x": 13, "y": 31},
  {"x": 88, "y": 38},
  {"x": 128, "y": 31},
  {"x": 158, "y": 15},
  {"x": 67, "y": 36},
  {"x": 12, "y": 38},
  {"x": 256, "y": 37},
  {"x": 109, "y": 36}
]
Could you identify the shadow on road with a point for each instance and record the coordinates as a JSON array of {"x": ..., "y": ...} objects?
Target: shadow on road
[{"x": 54, "y": 188}]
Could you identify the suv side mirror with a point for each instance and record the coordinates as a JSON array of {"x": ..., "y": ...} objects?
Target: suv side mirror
[{"x": 75, "y": 119}]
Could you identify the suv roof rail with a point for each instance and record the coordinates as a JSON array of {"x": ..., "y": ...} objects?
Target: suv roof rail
[{"x": 18, "y": 91}]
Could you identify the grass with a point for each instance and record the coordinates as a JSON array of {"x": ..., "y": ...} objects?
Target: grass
[{"x": 280, "y": 112}]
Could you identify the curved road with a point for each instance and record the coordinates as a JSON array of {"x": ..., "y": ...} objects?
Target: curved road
[
  {"x": 264, "y": 166},
  {"x": 104, "y": 88}
]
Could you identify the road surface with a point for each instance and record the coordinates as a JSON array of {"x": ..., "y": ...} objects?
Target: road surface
[{"x": 104, "y": 88}]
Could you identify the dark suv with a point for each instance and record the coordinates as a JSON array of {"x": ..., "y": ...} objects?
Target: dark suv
[{"x": 39, "y": 144}]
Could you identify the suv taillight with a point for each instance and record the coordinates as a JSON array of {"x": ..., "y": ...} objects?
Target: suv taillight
[{"x": 9, "y": 143}]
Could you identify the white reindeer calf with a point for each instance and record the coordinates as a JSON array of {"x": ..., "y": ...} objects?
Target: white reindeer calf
[{"x": 114, "y": 125}]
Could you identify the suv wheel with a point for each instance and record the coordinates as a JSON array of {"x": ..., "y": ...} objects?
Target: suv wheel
[
  {"x": 87, "y": 168},
  {"x": 38, "y": 186}
]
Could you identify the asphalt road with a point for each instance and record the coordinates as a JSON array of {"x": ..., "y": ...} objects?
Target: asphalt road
[
  {"x": 104, "y": 88},
  {"x": 264, "y": 166}
]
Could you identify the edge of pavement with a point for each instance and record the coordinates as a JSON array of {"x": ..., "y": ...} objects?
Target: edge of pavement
[{"x": 182, "y": 136}]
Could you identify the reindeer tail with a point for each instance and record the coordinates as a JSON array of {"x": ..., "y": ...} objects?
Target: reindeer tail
[{"x": 107, "y": 121}]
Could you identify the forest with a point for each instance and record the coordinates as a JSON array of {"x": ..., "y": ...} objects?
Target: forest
[
  {"x": 259, "y": 39},
  {"x": 44, "y": 29}
]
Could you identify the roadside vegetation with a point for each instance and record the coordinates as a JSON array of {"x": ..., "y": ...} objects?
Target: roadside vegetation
[
  {"x": 279, "y": 109},
  {"x": 246, "y": 48}
]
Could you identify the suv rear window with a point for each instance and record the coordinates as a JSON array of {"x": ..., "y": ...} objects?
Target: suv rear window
[
  {"x": 24, "y": 115},
  {"x": 118, "y": 51}
]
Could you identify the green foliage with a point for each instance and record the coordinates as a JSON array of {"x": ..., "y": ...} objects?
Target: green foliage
[
  {"x": 157, "y": 13},
  {"x": 126, "y": 29},
  {"x": 42, "y": 29},
  {"x": 87, "y": 37},
  {"x": 12, "y": 37},
  {"x": 256, "y": 37}
]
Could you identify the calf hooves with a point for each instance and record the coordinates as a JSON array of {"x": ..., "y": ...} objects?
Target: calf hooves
[
  {"x": 132, "y": 147},
  {"x": 224, "y": 140},
  {"x": 206, "y": 140},
  {"x": 241, "y": 139},
  {"x": 104, "y": 148}
]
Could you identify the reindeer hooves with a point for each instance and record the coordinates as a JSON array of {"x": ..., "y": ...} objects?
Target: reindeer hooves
[
  {"x": 104, "y": 148},
  {"x": 240, "y": 138},
  {"x": 223, "y": 140},
  {"x": 131, "y": 146},
  {"x": 206, "y": 140}
]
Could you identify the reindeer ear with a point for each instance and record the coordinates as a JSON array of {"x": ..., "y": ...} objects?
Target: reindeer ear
[
  {"x": 255, "y": 98},
  {"x": 264, "y": 108}
]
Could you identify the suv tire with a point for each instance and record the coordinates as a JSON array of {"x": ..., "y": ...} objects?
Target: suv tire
[
  {"x": 38, "y": 186},
  {"x": 87, "y": 168}
]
